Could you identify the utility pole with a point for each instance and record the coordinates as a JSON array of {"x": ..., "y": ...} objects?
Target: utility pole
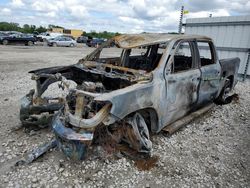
[{"x": 181, "y": 17}]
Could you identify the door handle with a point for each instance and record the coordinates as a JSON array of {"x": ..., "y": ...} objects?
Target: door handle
[{"x": 193, "y": 79}]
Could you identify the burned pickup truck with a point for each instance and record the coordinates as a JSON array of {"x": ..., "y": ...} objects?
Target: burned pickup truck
[{"x": 156, "y": 80}]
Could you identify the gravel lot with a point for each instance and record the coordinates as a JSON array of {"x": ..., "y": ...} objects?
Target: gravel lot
[{"x": 213, "y": 151}]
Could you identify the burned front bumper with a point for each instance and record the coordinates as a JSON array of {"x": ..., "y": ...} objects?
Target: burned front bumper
[
  {"x": 37, "y": 114},
  {"x": 72, "y": 143}
]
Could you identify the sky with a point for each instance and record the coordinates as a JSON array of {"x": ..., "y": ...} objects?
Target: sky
[{"x": 125, "y": 16}]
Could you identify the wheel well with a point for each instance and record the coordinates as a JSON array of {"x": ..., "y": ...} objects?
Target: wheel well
[
  {"x": 231, "y": 78},
  {"x": 151, "y": 118}
]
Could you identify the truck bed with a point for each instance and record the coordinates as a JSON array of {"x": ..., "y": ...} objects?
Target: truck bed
[{"x": 229, "y": 68}]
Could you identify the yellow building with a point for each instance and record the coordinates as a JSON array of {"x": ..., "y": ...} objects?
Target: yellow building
[
  {"x": 56, "y": 30},
  {"x": 72, "y": 32}
]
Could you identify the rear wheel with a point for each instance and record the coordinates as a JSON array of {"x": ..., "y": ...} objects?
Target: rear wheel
[
  {"x": 54, "y": 44},
  {"x": 5, "y": 42}
]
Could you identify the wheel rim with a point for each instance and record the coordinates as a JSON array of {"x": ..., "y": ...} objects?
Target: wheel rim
[
  {"x": 138, "y": 135},
  {"x": 5, "y": 42}
]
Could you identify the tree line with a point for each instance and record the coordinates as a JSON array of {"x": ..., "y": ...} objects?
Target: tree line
[
  {"x": 5, "y": 26},
  {"x": 104, "y": 34},
  {"x": 26, "y": 28}
]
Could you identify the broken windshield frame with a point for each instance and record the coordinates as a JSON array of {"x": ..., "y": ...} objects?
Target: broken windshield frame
[{"x": 140, "y": 58}]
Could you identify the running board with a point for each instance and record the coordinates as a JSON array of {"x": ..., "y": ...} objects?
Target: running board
[{"x": 172, "y": 128}]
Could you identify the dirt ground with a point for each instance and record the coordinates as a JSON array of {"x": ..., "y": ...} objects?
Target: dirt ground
[{"x": 212, "y": 151}]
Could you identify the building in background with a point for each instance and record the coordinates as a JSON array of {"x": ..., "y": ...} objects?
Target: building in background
[
  {"x": 56, "y": 30},
  {"x": 231, "y": 36},
  {"x": 72, "y": 32}
]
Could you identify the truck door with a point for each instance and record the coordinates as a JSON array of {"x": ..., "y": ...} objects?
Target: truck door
[
  {"x": 210, "y": 72},
  {"x": 182, "y": 81}
]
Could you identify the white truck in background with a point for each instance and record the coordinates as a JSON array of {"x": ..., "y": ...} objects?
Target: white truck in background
[{"x": 44, "y": 37}]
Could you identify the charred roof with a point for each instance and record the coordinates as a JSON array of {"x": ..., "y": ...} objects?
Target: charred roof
[{"x": 136, "y": 40}]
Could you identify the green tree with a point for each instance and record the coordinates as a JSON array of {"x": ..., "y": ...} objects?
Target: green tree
[
  {"x": 5, "y": 26},
  {"x": 28, "y": 28},
  {"x": 104, "y": 34},
  {"x": 41, "y": 29}
]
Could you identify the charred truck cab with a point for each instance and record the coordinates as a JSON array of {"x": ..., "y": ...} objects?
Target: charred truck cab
[{"x": 157, "y": 79}]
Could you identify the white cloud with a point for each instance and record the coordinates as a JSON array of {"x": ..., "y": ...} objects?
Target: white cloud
[
  {"x": 51, "y": 14},
  {"x": 17, "y": 3},
  {"x": 117, "y": 15},
  {"x": 45, "y": 6},
  {"x": 6, "y": 12},
  {"x": 130, "y": 20},
  {"x": 78, "y": 11}
]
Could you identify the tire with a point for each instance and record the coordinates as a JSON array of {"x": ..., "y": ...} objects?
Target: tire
[
  {"x": 223, "y": 97},
  {"x": 71, "y": 45},
  {"x": 54, "y": 44},
  {"x": 5, "y": 42},
  {"x": 137, "y": 134},
  {"x": 30, "y": 43}
]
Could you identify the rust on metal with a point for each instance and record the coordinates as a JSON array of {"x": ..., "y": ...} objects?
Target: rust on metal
[
  {"x": 137, "y": 40},
  {"x": 77, "y": 121},
  {"x": 155, "y": 81},
  {"x": 79, "y": 105}
]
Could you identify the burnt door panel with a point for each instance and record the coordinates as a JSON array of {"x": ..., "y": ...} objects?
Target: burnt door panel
[
  {"x": 210, "y": 72},
  {"x": 210, "y": 82},
  {"x": 182, "y": 93}
]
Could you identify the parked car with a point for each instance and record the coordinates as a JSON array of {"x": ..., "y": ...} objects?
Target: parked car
[
  {"x": 18, "y": 39},
  {"x": 82, "y": 39},
  {"x": 13, "y": 32},
  {"x": 69, "y": 36},
  {"x": 44, "y": 37},
  {"x": 129, "y": 96},
  {"x": 95, "y": 42},
  {"x": 2, "y": 35},
  {"x": 62, "y": 41}
]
